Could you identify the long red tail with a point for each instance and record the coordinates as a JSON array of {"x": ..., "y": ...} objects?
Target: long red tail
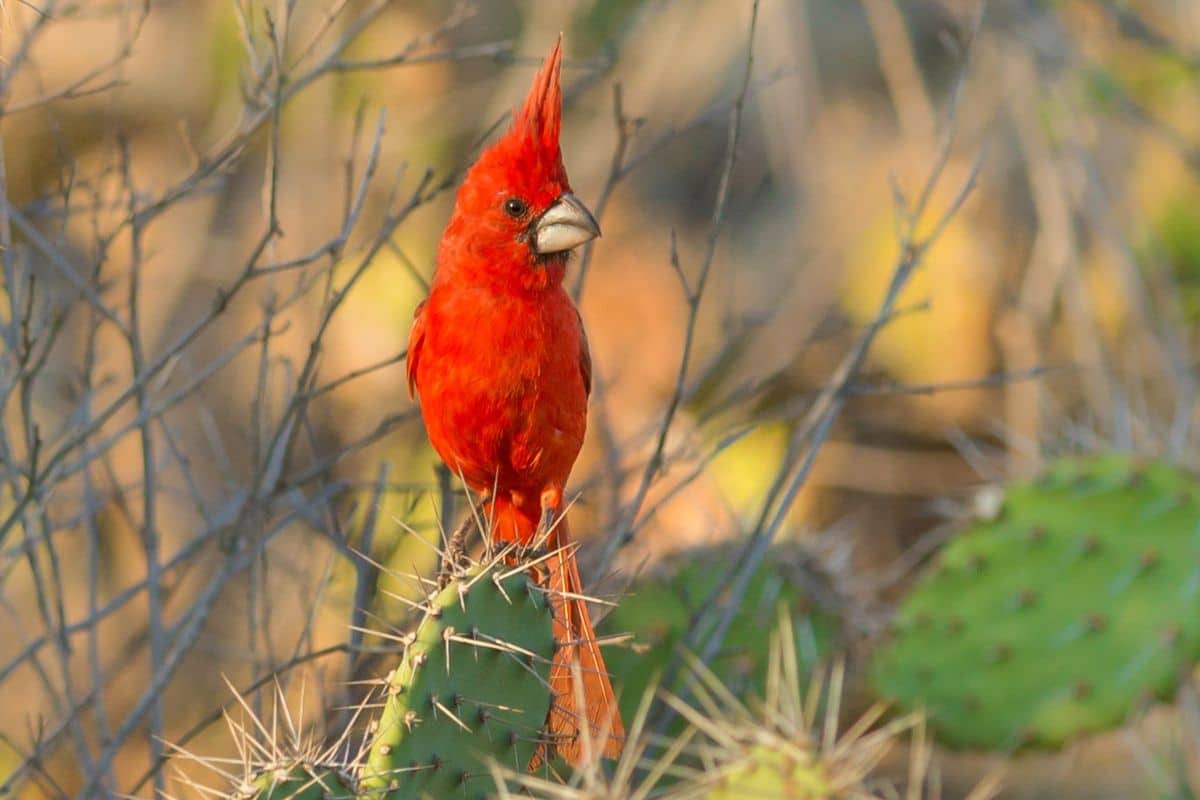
[{"x": 578, "y": 654}]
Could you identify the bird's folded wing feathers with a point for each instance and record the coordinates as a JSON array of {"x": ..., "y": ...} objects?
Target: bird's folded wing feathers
[
  {"x": 585, "y": 356},
  {"x": 416, "y": 338}
]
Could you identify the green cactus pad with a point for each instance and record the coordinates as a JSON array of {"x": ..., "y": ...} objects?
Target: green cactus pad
[
  {"x": 659, "y": 608},
  {"x": 472, "y": 685},
  {"x": 298, "y": 781},
  {"x": 1077, "y": 603},
  {"x": 768, "y": 771}
]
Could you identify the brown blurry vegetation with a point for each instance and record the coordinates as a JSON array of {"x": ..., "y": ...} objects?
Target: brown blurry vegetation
[{"x": 918, "y": 250}]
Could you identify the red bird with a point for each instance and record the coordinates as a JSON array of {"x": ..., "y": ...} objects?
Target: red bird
[{"x": 500, "y": 361}]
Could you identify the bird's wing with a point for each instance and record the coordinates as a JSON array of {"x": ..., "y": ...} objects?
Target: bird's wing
[
  {"x": 416, "y": 338},
  {"x": 585, "y": 356}
]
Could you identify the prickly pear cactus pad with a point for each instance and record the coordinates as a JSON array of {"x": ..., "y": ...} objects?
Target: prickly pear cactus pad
[
  {"x": 1077, "y": 603},
  {"x": 658, "y": 609},
  {"x": 298, "y": 781},
  {"x": 472, "y": 684}
]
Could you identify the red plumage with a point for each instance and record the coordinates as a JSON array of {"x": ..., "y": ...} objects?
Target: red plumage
[{"x": 500, "y": 361}]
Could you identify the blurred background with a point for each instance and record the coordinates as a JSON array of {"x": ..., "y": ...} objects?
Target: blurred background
[{"x": 219, "y": 216}]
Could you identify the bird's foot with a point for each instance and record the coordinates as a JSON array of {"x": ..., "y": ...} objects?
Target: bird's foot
[
  {"x": 546, "y": 525},
  {"x": 552, "y": 503},
  {"x": 455, "y": 556}
]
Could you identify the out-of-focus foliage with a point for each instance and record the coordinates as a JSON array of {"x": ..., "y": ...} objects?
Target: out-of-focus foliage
[{"x": 220, "y": 214}]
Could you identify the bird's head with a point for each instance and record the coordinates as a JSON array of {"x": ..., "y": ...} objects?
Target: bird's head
[{"x": 515, "y": 219}]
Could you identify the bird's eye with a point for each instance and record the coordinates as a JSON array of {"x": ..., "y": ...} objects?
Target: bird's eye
[{"x": 515, "y": 207}]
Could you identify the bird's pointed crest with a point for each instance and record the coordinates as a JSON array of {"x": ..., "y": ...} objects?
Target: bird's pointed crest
[
  {"x": 525, "y": 163},
  {"x": 541, "y": 117}
]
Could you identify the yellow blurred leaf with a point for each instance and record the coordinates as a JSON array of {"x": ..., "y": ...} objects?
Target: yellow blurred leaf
[{"x": 943, "y": 330}]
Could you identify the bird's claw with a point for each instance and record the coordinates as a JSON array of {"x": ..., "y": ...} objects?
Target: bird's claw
[
  {"x": 455, "y": 556},
  {"x": 549, "y": 518}
]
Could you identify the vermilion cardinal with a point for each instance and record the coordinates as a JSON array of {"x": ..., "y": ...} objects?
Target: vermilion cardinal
[{"x": 500, "y": 361}]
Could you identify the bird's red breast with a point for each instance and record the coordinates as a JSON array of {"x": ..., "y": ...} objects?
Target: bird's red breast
[{"x": 502, "y": 377}]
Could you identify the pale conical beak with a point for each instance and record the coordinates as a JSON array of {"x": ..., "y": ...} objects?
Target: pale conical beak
[{"x": 564, "y": 226}]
